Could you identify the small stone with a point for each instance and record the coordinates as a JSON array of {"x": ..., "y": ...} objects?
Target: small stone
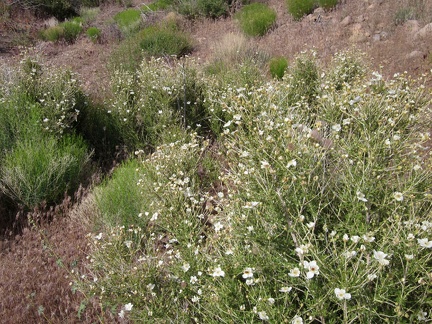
[
  {"x": 376, "y": 37},
  {"x": 346, "y": 21}
]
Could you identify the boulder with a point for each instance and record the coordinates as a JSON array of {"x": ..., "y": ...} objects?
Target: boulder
[
  {"x": 425, "y": 31},
  {"x": 346, "y": 21}
]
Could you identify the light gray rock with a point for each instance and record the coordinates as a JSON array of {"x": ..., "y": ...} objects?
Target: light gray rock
[
  {"x": 413, "y": 26},
  {"x": 425, "y": 31},
  {"x": 414, "y": 55},
  {"x": 346, "y": 21}
]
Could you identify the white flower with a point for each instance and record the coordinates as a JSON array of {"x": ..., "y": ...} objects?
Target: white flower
[
  {"x": 297, "y": 320},
  {"x": 409, "y": 256},
  {"x": 336, "y": 127},
  {"x": 128, "y": 307},
  {"x": 424, "y": 242},
  {"x": 271, "y": 301},
  {"x": 294, "y": 272},
  {"x": 185, "y": 267},
  {"x": 398, "y": 196},
  {"x": 121, "y": 314},
  {"x": 150, "y": 286},
  {"x": 346, "y": 121},
  {"x": 193, "y": 279},
  {"x": 229, "y": 252},
  {"x": 381, "y": 257},
  {"x": 371, "y": 277},
  {"x": 99, "y": 236},
  {"x": 265, "y": 165},
  {"x": 195, "y": 299},
  {"x": 422, "y": 316},
  {"x": 292, "y": 163},
  {"x": 247, "y": 273},
  {"x": 154, "y": 217},
  {"x": 250, "y": 282},
  {"x": 218, "y": 272},
  {"x": 263, "y": 316},
  {"x": 218, "y": 226},
  {"x": 361, "y": 196},
  {"x": 410, "y": 237},
  {"x": 128, "y": 244},
  {"x": 312, "y": 267},
  {"x": 368, "y": 239},
  {"x": 355, "y": 238},
  {"x": 310, "y": 225},
  {"x": 342, "y": 294},
  {"x": 345, "y": 238},
  {"x": 285, "y": 289}
]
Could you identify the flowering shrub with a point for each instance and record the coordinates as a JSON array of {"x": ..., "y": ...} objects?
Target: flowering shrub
[
  {"x": 155, "y": 97},
  {"x": 322, "y": 212}
]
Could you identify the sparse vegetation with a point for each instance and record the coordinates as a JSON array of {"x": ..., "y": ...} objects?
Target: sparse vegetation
[{"x": 256, "y": 19}]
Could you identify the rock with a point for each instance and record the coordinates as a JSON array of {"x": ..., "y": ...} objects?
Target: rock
[
  {"x": 425, "y": 31},
  {"x": 358, "y": 33},
  {"x": 318, "y": 11},
  {"x": 360, "y": 19},
  {"x": 414, "y": 55},
  {"x": 346, "y": 21},
  {"x": 412, "y": 25},
  {"x": 376, "y": 37}
]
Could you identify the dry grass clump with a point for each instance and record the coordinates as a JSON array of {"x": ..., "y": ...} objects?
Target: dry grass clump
[{"x": 235, "y": 48}]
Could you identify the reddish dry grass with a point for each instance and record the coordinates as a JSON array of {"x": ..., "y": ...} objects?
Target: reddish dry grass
[{"x": 36, "y": 271}]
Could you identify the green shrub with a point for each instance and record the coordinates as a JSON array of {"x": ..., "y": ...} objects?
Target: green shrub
[
  {"x": 128, "y": 20},
  {"x": 299, "y": 8},
  {"x": 43, "y": 169},
  {"x": 327, "y": 4},
  {"x": 304, "y": 79},
  {"x": 53, "y": 34},
  {"x": 71, "y": 30},
  {"x": 213, "y": 8},
  {"x": 162, "y": 41},
  {"x": 256, "y": 19},
  {"x": 157, "y": 5},
  {"x": 277, "y": 66},
  {"x": 94, "y": 34}
]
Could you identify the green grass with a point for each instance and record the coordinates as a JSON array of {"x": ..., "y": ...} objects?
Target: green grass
[
  {"x": 328, "y": 4},
  {"x": 71, "y": 30},
  {"x": 157, "y": 5},
  {"x": 53, "y": 34},
  {"x": 277, "y": 67},
  {"x": 256, "y": 19},
  {"x": 94, "y": 34},
  {"x": 43, "y": 169},
  {"x": 161, "y": 41},
  {"x": 300, "y": 8},
  {"x": 128, "y": 20}
]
